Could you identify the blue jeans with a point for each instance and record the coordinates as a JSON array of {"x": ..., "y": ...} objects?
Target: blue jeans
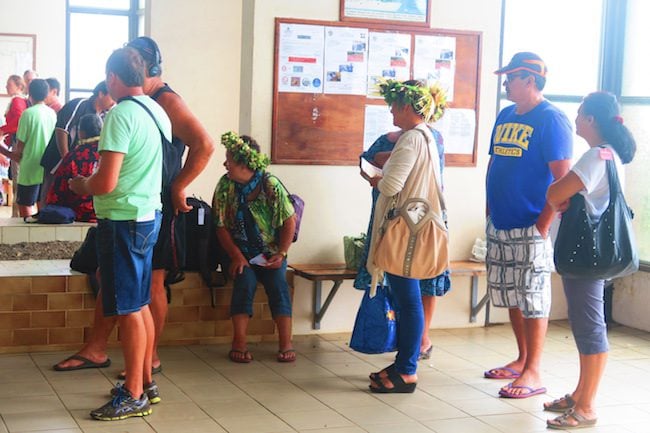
[
  {"x": 124, "y": 250},
  {"x": 275, "y": 284},
  {"x": 408, "y": 303},
  {"x": 587, "y": 314}
]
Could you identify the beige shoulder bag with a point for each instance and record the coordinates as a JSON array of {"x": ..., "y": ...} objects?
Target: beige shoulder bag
[{"x": 414, "y": 239}]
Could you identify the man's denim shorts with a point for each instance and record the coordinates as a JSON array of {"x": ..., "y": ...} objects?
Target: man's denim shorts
[{"x": 124, "y": 251}]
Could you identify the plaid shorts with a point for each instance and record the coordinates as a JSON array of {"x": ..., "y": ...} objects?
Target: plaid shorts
[{"x": 519, "y": 270}]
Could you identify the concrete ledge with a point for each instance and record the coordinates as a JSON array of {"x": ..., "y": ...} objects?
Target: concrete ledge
[
  {"x": 36, "y": 268},
  {"x": 15, "y": 230}
]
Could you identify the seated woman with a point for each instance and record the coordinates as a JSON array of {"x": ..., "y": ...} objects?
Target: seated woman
[
  {"x": 255, "y": 223},
  {"x": 80, "y": 161}
]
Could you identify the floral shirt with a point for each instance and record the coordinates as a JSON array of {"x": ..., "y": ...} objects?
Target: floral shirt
[
  {"x": 270, "y": 207},
  {"x": 80, "y": 161}
]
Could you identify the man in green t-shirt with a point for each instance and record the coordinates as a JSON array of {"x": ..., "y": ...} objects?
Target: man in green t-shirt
[
  {"x": 35, "y": 128},
  {"x": 126, "y": 193}
]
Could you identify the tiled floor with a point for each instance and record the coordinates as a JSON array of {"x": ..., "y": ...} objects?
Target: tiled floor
[{"x": 326, "y": 389}]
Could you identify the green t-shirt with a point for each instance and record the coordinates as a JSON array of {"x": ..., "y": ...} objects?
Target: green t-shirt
[
  {"x": 35, "y": 129},
  {"x": 130, "y": 130},
  {"x": 270, "y": 209}
]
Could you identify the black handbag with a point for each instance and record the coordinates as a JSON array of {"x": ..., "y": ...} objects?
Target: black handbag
[{"x": 602, "y": 250}]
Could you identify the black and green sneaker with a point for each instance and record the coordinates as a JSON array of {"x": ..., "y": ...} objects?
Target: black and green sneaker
[
  {"x": 151, "y": 389},
  {"x": 123, "y": 406}
]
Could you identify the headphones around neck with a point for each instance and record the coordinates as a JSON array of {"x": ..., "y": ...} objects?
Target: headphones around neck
[{"x": 149, "y": 50}]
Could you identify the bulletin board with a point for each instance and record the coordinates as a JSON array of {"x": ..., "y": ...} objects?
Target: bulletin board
[
  {"x": 325, "y": 106},
  {"x": 17, "y": 54}
]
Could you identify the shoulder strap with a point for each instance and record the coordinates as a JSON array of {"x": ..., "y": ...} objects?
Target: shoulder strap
[
  {"x": 612, "y": 176},
  {"x": 131, "y": 98},
  {"x": 267, "y": 175},
  {"x": 441, "y": 198},
  {"x": 163, "y": 89},
  {"x": 74, "y": 112}
]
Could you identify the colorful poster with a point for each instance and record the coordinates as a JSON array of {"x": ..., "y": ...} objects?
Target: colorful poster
[
  {"x": 346, "y": 60},
  {"x": 300, "y": 58},
  {"x": 392, "y": 10},
  {"x": 434, "y": 60},
  {"x": 389, "y": 56}
]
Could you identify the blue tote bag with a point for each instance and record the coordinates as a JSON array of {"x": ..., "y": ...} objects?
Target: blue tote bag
[{"x": 375, "y": 329}]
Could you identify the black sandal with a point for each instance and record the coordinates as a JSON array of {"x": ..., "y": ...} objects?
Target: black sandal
[
  {"x": 399, "y": 386},
  {"x": 375, "y": 376}
]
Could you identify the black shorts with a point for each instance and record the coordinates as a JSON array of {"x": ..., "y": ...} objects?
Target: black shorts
[
  {"x": 27, "y": 195},
  {"x": 169, "y": 251}
]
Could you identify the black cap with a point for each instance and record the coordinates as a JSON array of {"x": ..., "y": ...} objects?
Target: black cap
[{"x": 148, "y": 49}]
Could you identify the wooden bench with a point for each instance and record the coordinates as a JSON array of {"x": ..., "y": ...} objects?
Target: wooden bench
[{"x": 337, "y": 273}]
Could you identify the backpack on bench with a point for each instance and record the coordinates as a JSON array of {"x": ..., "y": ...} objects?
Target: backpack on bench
[{"x": 202, "y": 251}]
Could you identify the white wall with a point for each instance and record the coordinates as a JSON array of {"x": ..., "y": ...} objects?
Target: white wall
[
  {"x": 200, "y": 42},
  {"x": 630, "y": 301},
  {"x": 45, "y": 19}
]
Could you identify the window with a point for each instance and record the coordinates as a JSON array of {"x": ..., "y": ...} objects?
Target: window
[
  {"x": 635, "y": 100},
  {"x": 606, "y": 50},
  {"x": 94, "y": 29},
  {"x": 572, "y": 63}
]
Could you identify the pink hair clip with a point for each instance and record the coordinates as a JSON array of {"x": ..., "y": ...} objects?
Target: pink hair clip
[{"x": 618, "y": 119}]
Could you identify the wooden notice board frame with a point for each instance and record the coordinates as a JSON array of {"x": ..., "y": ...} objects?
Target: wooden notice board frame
[{"x": 328, "y": 129}]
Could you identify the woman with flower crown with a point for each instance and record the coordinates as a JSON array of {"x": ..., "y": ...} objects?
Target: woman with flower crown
[
  {"x": 255, "y": 223},
  {"x": 378, "y": 154},
  {"x": 412, "y": 171}
]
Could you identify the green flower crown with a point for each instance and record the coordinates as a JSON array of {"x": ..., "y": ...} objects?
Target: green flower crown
[
  {"x": 429, "y": 101},
  {"x": 243, "y": 153}
]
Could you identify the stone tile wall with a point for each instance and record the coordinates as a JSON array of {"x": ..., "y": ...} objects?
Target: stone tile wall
[{"x": 55, "y": 312}]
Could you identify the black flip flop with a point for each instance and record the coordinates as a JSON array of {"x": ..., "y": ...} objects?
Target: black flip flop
[
  {"x": 85, "y": 363},
  {"x": 426, "y": 354},
  {"x": 282, "y": 355},
  {"x": 240, "y": 356}
]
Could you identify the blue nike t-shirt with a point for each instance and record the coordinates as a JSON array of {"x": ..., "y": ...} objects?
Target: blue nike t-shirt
[{"x": 522, "y": 146}]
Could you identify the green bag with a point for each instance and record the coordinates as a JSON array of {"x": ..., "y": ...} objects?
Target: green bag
[{"x": 353, "y": 247}]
